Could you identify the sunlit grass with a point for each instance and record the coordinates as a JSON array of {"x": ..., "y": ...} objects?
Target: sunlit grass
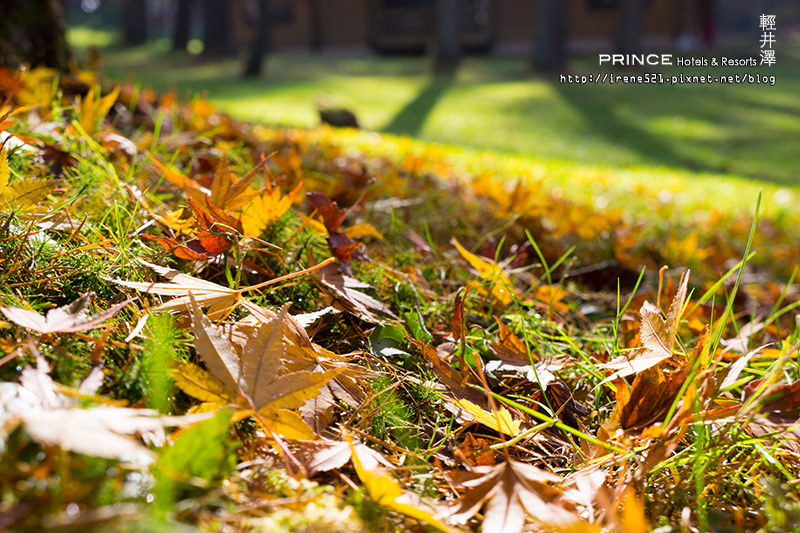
[{"x": 704, "y": 147}]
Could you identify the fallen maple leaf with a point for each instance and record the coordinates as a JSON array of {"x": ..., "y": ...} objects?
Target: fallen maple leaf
[
  {"x": 253, "y": 379},
  {"x": 69, "y": 318},
  {"x": 511, "y": 490},
  {"x": 266, "y": 209}
]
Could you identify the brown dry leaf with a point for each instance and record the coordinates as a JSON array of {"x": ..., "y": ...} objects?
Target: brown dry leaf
[
  {"x": 650, "y": 396},
  {"x": 510, "y": 347},
  {"x": 780, "y": 402},
  {"x": 69, "y": 318},
  {"x": 475, "y": 451},
  {"x": 656, "y": 334},
  {"x": 344, "y": 289},
  {"x": 456, "y": 382},
  {"x": 643, "y": 403},
  {"x": 511, "y": 491}
]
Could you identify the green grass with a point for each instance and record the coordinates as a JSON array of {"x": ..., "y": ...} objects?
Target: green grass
[{"x": 496, "y": 105}]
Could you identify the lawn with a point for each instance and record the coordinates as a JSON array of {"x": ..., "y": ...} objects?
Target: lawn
[
  {"x": 703, "y": 146},
  {"x": 496, "y": 104}
]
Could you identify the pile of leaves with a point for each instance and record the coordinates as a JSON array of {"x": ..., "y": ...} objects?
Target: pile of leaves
[{"x": 235, "y": 327}]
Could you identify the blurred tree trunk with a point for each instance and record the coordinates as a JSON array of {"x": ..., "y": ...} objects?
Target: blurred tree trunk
[
  {"x": 34, "y": 32},
  {"x": 260, "y": 46},
  {"x": 628, "y": 39},
  {"x": 217, "y": 36},
  {"x": 315, "y": 15},
  {"x": 183, "y": 25},
  {"x": 446, "y": 45},
  {"x": 134, "y": 21},
  {"x": 550, "y": 43}
]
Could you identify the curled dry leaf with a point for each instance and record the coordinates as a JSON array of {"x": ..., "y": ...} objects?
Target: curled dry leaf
[
  {"x": 657, "y": 336},
  {"x": 343, "y": 288}
]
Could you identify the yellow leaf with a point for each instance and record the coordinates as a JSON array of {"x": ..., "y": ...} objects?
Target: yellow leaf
[
  {"x": 502, "y": 289},
  {"x": 266, "y": 209},
  {"x": 314, "y": 225},
  {"x": 287, "y": 423},
  {"x": 23, "y": 194},
  {"x": 91, "y": 109},
  {"x": 386, "y": 491},
  {"x": 3, "y": 168},
  {"x": 357, "y": 231},
  {"x": 199, "y": 384},
  {"x": 292, "y": 390},
  {"x": 632, "y": 519},
  {"x": 37, "y": 88},
  {"x": 183, "y": 226},
  {"x": 498, "y": 420},
  {"x": 208, "y": 407},
  {"x": 552, "y": 296},
  {"x": 105, "y": 103}
]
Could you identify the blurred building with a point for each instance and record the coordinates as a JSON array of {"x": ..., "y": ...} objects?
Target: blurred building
[{"x": 397, "y": 26}]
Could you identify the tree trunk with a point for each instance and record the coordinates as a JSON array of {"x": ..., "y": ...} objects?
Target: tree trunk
[
  {"x": 550, "y": 44},
  {"x": 34, "y": 32},
  {"x": 315, "y": 20},
  {"x": 134, "y": 21},
  {"x": 217, "y": 37},
  {"x": 447, "y": 45},
  {"x": 628, "y": 39},
  {"x": 260, "y": 47},
  {"x": 183, "y": 25}
]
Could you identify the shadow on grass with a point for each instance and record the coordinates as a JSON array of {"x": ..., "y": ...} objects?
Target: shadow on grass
[
  {"x": 411, "y": 117},
  {"x": 606, "y": 123}
]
